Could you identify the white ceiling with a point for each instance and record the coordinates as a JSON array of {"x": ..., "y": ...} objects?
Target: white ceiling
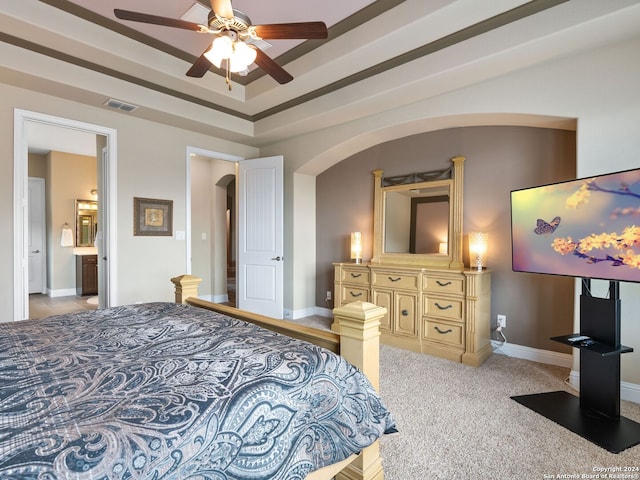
[{"x": 379, "y": 56}]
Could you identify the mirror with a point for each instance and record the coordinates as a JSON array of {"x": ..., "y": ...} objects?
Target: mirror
[
  {"x": 86, "y": 222},
  {"x": 417, "y": 221},
  {"x": 418, "y": 218}
]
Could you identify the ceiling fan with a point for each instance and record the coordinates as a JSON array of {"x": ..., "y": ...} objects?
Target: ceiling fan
[{"x": 233, "y": 46}]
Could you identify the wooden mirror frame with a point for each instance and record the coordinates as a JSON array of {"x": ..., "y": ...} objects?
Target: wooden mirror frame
[{"x": 453, "y": 259}]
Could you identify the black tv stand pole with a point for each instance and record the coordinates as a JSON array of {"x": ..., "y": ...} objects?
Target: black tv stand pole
[{"x": 595, "y": 415}]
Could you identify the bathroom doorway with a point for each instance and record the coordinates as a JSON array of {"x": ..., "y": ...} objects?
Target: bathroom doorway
[{"x": 104, "y": 141}]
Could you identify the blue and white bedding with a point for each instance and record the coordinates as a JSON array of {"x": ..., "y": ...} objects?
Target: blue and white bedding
[{"x": 168, "y": 391}]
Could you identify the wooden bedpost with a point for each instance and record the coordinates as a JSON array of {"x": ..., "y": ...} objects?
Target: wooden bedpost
[
  {"x": 186, "y": 286},
  {"x": 360, "y": 345}
]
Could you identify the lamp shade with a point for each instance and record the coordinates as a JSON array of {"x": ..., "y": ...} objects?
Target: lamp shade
[
  {"x": 356, "y": 246},
  {"x": 221, "y": 48},
  {"x": 478, "y": 249},
  {"x": 243, "y": 55}
]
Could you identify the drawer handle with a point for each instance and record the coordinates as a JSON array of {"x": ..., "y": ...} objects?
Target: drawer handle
[
  {"x": 446, "y": 307},
  {"x": 355, "y": 294},
  {"x": 443, "y": 332},
  {"x": 445, "y": 284},
  {"x": 395, "y": 279},
  {"x": 405, "y": 313},
  {"x": 355, "y": 275}
]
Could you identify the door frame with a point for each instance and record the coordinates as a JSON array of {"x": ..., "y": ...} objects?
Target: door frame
[
  {"x": 20, "y": 202},
  {"x": 195, "y": 151}
]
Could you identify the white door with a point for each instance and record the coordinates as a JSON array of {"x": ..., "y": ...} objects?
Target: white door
[
  {"x": 260, "y": 236},
  {"x": 37, "y": 236}
]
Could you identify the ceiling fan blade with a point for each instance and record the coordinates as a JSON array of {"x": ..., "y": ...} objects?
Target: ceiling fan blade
[
  {"x": 222, "y": 8},
  {"x": 279, "y": 31},
  {"x": 154, "y": 19},
  {"x": 265, "y": 62},
  {"x": 200, "y": 67}
]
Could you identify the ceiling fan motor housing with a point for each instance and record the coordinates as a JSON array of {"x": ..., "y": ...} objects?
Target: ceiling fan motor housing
[{"x": 240, "y": 22}]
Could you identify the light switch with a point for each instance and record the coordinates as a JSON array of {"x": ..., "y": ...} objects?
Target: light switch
[
  {"x": 180, "y": 235},
  {"x": 204, "y": 235}
]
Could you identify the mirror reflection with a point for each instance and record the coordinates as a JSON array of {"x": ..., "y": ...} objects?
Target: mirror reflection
[
  {"x": 86, "y": 222},
  {"x": 417, "y": 221}
]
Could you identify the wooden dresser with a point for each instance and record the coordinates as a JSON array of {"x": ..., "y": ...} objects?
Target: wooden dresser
[
  {"x": 434, "y": 304},
  {"x": 439, "y": 312}
]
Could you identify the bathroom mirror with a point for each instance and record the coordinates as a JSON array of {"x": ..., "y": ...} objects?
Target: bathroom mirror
[
  {"x": 86, "y": 222},
  {"x": 418, "y": 218}
]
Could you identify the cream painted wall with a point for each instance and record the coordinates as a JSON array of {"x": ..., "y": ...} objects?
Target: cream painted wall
[
  {"x": 151, "y": 162},
  {"x": 201, "y": 223},
  {"x": 69, "y": 177},
  {"x": 209, "y": 180},
  {"x": 300, "y": 240},
  {"x": 598, "y": 88}
]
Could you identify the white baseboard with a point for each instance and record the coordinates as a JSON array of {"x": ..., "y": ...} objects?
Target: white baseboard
[
  {"x": 324, "y": 312},
  {"x": 215, "y": 298},
  {"x": 628, "y": 391},
  {"x": 62, "y": 292},
  {"x": 533, "y": 354},
  {"x": 302, "y": 313}
]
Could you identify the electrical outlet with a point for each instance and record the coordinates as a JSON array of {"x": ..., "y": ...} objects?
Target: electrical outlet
[
  {"x": 501, "y": 321},
  {"x": 328, "y": 297}
]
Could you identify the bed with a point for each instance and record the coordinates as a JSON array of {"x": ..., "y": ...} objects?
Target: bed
[{"x": 172, "y": 391}]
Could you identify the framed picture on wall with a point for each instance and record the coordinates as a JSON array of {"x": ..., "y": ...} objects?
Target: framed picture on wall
[{"x": 152, "y": 217}]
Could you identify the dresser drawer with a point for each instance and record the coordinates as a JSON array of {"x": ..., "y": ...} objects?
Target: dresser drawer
[
  {"x": 359, "y": 276},
  {"x": 442, "y": 307},
  {"x": 444, "y": 284},
  {"x": 354, "y": 294},
  {"x": 89, "y": 259},
  {"x": 405, "y": 281},
  {"x": 443, "y": 332}
]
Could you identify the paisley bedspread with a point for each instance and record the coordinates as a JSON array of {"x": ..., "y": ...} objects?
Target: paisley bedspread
[{"x": 167, "y": 391}]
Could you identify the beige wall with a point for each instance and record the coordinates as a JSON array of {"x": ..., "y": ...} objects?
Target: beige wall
[
  {"x": 208, "y": 224},
  {"x": 499, "y": 159},
  {"x": 596, "y": 88},
  {"x": 151, "y": 162},
  {"x": 37, "y": 165},
  {"x": 69, "y": 177}
]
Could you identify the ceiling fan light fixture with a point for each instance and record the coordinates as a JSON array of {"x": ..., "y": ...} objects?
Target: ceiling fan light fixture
[
  {"x": 243, "y": 55},
  {"x": 221, "y": 48}
]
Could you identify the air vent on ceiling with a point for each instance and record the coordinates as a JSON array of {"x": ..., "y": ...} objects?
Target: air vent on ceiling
[{"x": 127, "y": 107}]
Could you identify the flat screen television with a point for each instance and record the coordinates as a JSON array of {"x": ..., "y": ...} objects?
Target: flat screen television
[{"x": 589, "y": 227}]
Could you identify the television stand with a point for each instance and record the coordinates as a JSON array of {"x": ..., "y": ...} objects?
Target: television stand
[{"x": 595, "y": 415}]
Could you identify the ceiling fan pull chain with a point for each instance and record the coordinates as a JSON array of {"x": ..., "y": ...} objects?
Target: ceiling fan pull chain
[{"x": 228, "y": 75}]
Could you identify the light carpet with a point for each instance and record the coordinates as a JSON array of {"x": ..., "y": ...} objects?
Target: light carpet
[{"x": 459, "y": 422}]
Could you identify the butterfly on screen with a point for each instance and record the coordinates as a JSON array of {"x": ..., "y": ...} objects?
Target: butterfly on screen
[{"x": 544, "y": 228}]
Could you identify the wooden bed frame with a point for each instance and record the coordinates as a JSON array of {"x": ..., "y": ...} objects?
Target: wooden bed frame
[{"x": 358, "y": 342}]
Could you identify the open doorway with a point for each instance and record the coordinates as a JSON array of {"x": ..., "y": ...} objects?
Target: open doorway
[
  {"x": 213, "y": 227},
  {"x": 259, "y": 233},
  {"x": 62, "y": 221},
  {"x": 104, "y": 143}
]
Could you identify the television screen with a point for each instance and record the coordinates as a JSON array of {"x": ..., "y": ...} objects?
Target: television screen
[{"x": 588, "y": 227}]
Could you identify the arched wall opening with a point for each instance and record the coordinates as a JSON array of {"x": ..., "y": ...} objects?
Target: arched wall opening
[{"x": 500, "y": 158}]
